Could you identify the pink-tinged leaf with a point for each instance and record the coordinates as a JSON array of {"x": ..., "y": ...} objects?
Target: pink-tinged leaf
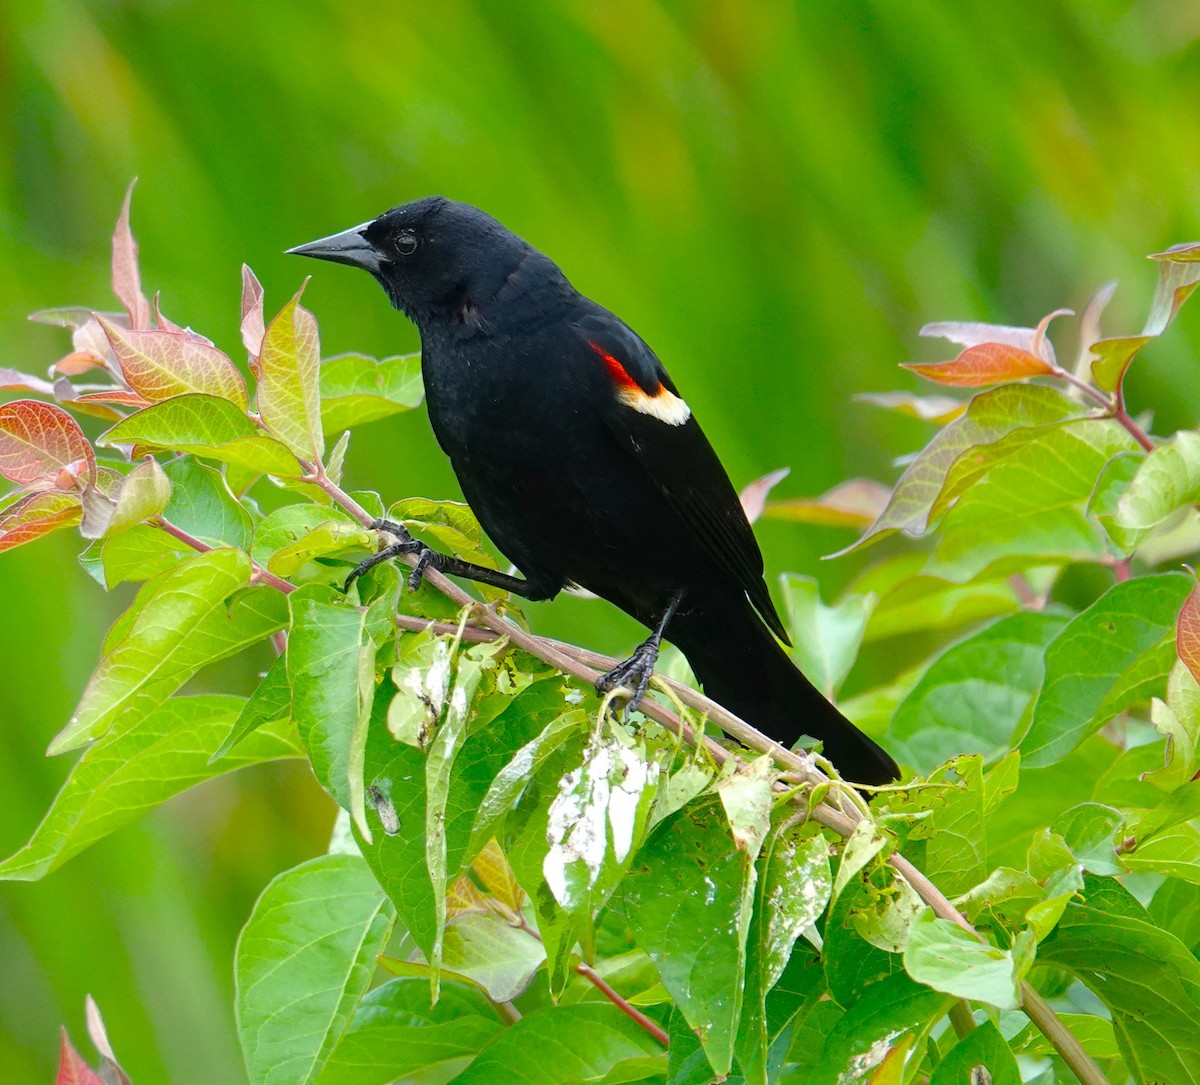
[
  {"x": 856, "y": 503},
  {"x": 119, "y": 396},
  {"x": 987, "y": 363},
  {"x": 160, "y": 365},
  {"x": 163, "y": 323},
  {"x": 1089, "y": 327},
  {"x": 1041, "y": 345},
  {"x": 754, "y": 496},
  {"x": 939, "y": 409},
  {"x": 14, "y": 380},
  {"x": 126, "y": 278},
  {"x": 37, "y": 514},
  {"x": 1112, "y": 359},
  {"x": 975, "y": 334},
  {"x": 78, "y": 361},
  {"x": 253, "y": 327},
  {"x": 1187, "y": 633},
  {"x": 1178, "y": 277},
  {"x": 72, "y": 1070},
  {"x": 99, "y": 1035},
  {"x": 289, "y": 388},
  {"x": 39, "y": 442}
]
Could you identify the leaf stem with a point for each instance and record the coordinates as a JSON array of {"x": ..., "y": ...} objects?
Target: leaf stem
[
  {"x": 258, "y": 575},
  {"x": 962, "y": 1018},
  {"x": 622, "y": 1004}
]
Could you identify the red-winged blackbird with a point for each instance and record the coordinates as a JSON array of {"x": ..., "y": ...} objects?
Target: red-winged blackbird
[{"x": 585, "y": 465}]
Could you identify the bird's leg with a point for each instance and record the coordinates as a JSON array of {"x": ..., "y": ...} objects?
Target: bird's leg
[
  {"x": 636, "y": 672},
  {"x": 428, "y": 558}
]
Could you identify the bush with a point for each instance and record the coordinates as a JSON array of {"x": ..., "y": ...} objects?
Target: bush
[{"x": 525, "y": 886}]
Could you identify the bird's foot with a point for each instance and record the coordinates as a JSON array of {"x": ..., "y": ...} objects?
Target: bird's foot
[
  {"x": 404, "y": 544},
  {"x": 634, "y": 673}
]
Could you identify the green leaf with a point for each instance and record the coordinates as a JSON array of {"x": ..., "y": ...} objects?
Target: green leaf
[
  {"x": 688, "y": 897},
  {"x": 331, "y": 672},
  {"x": 289, "y": 392},
  {"x": 989, "y": 416},
  {"x": 1113, "y": 655},
  {"x": 1090, "y": 831},
  {"x": 747, "y": 797},
  {"x": 499, "y": 957},
  {"x": 881, "y": 1029},
  {"x": 974, "y": 695},
  {"x": 179, "y": 622},
  {"x": 1114, "y": 480},
  {"x": 161, "y": 364},
  {"x": 396, "y": 1034},
  {"x": 1179, "y": 720},
  {"x": 983, "y": 1046},
  {"x": 143, "y": 495},
  {"x": 357, "y": 389},
  {"x": 205, "y": 426},
  {"x": 1094, "y": 1033},
  {"x": 1178, "y": 276},
  {"x": 270, "y": 702},
  {"x": 1026, "y": 502},
  {"x": 560, "y": 1046},
  {"x": 328, "y": 537},
  {"x": 123, "y": 775},
  {"x": 826, "y": 639},
  {"x": 303, "y": 963},
  {"x": 1113, "y": 358},
  {"x": 942, "y": 955},
  {"x": 450, "y": 524},
  {"x": 1147, "y": 978},
  {"x": 202, "y": 505},
  {"x": 1167, "y": 480}
]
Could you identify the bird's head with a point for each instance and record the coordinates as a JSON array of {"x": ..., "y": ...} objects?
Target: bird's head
[{"x": 442, "y": 261}]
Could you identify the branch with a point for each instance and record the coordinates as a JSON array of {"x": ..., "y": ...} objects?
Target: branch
[{"x": 581, "y": 663}]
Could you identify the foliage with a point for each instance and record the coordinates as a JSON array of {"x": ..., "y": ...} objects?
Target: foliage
[{"x": 559, "y": 894}]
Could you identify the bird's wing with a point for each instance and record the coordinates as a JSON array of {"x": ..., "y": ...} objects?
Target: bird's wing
[{"x": 651, "y": 420}]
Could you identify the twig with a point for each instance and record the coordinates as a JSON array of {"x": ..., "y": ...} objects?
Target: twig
[
  {"x": 258, "y": 573},
  {"x": 581, "y": 663}
]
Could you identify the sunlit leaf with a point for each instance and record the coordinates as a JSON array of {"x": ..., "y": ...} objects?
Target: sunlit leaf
[
  {"x": 205, "y": 426},
  {"x": 498, "y": 956},
  {"x": 327, "y": 538},
  {"x": 942, "y": 955},
  {"x": 289, "y": 394},
  {"x": 357, "y": 389},
  {"x": 1167, "y": 480},
  {"x": 158, "y": 365},
  {"x": 42, "y": 446},
  {"x": 746, "y": 798},
  {"x": 987, "y": 363}
]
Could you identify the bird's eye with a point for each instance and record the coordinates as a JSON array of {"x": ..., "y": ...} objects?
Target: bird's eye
[{"x": 406, "y": 243}]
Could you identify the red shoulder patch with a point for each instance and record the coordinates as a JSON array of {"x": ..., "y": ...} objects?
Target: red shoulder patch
[{"x": 616, "y": 370}]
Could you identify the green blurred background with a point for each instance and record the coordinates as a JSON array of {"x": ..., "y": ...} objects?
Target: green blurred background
[{"x": 776, "y": 195}]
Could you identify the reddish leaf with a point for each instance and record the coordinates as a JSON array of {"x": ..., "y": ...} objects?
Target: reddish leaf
[
  {"x": 126, "y": 279},
  {"x": 754, "y": 496},
  {"x": 37, "y": 514},
  {"x": 163, "y": 323},
  {"x": 12, "y": 379},
  {"x": 1187, "y": 633},
  {"x": 856, "y": 503},
  {"x": 253, "y": 325},
  {"x": 78, "y": 361},
  {"x": 987, "y": 363},
  {"x": 158, "y": 365},
  {"x": 72, "y": 1070},
  {"x": 39, "y": 442},
  {"x": 975, "y": 334}
]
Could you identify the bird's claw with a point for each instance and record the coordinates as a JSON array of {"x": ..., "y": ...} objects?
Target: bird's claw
[
  {"x": 634, "y": 673},
  {"x": 404, "y": 544}
]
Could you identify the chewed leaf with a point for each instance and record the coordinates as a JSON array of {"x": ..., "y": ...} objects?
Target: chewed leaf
[
  {"x": 1187, "y": 633},
  {"x": 855, "y": 503},
  {"x": 159, "y": 365},
  {"x": 35, "y": 515},
  {"x": 40, "y": 444},
  {"x": 1178, "y": 277},
  {"x": 289, "y": 393},
  {"x": 126, "y": 279},
  {"x": 939, "y": 409},
  {"x": 253, "y": 326},
  {"x": 987, "y": 363}
]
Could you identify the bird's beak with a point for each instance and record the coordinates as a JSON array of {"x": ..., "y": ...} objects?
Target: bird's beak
[{"x": 349, "y": 247}]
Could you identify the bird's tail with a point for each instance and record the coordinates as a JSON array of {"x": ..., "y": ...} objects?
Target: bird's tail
[{"x": 744, "y": 668}]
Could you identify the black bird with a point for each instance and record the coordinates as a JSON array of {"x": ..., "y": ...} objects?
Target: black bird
[{"x": 586, "y": 466}]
